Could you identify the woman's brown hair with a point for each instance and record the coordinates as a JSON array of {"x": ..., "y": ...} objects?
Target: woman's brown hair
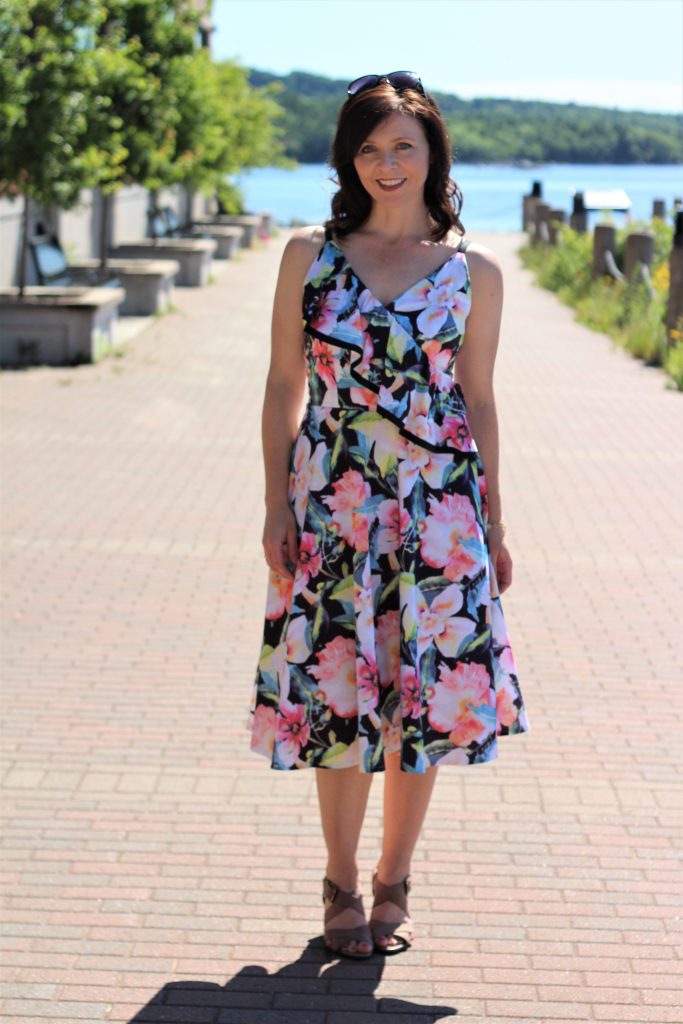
[{"x": 360, "y": 114}]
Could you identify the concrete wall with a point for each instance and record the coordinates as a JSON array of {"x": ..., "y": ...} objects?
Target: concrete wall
[{"x": 78, "y": 229}]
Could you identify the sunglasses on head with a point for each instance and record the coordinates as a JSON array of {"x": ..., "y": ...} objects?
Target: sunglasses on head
[{"x": 399, "y": 79}]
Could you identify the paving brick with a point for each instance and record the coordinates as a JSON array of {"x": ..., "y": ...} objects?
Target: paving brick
[{"x": 143, "y": 843}]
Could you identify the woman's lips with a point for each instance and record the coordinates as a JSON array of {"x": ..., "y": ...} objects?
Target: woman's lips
[{"x": 392, "y": 187}]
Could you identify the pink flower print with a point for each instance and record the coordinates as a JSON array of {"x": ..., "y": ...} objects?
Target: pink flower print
[
  {"x": 368, "y": 354},
  {"x": 307, "y": 473},
  {"x": 292, "y": 731},
  {"x": 363, "y": 396},
  {"x": 310, "y": 559},
  {"x": 279, "y": 595},
  {"x": 420, "y": 461},
  {"x": 350, "y": 493},
  {"x": 298, "y": 650},
  {"x": 411, "y": 693},
  {"x": 263, "y": 728},
  {"x": 506, "y": 712},
  {"x": 336, "y": 675},
  {"x": 453, "y": 700},
  {"x": 363, "y": 611},
  {"x": 438, "y": 623},
  {"x": 323, "y": 355},
  {"x": 368, "y": 684},
  {"x": 331, "y": 305},
  {"x": 438, "y": 298},
  {"x": 440, "y": 372},
  {"x": 457, "y": 429},
  {"x": 451, "y": 522},
  {"x": 418, "y": 421},
  {"x": 395, "y": 522},
  {"x": 388, "y": 641}
]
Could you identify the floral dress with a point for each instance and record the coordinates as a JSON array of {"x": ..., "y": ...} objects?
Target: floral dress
[{"x": 391, "y": 636}]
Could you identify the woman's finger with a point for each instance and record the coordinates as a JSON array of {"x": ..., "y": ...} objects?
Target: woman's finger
[{"x": 292, "y": 544}]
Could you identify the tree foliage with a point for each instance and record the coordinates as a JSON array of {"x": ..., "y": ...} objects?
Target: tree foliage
[{"x": 56, "y": 136}]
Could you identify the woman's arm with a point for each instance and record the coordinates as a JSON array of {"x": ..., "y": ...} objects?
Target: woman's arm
[
  {"x": 474, "y": 372},
  {"x": 285, "y": 386}
]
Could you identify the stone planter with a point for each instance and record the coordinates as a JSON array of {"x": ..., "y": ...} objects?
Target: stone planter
[
  {"x": 251, "y": 224},
  {"x": 267, "y": 221},
  {"x": 148, "y": 283},
  {"x": 193, "y": 254},
  {"x": 228, "y": 239},
  {"x": 57, "y": 326}
]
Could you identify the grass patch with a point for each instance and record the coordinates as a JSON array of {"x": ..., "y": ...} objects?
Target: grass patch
[{"x": 624, "y": 311}]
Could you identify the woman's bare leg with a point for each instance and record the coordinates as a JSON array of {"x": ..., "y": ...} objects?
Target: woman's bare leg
[
  {"x": 406, "y": 800},
  {"x": 343, "y": 797}
]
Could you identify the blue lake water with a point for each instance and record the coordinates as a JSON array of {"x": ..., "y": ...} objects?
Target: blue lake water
[{"x": 492, "y": 193}]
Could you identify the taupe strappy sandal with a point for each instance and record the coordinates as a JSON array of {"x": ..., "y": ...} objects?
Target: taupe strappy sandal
[
  {"x": 403, "y": 930},
  {"x": 340, "y": 900}
]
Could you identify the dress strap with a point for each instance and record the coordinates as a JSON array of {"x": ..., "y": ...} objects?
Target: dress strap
[
  {"x": 328, "y": 234},
  {"x": 464, "y": 242}
]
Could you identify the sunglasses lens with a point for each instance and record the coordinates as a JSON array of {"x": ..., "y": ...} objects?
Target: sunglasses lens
[
  {"x": 366, "y": 82},
  {"x": 399, "y": 80},
  {"x": 405, "y": 80}
]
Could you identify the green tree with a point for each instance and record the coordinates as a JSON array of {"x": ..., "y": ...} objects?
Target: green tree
[{"x": 57, "y": 137}]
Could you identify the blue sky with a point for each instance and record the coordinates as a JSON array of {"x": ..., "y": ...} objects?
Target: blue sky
[{"x": 613, "y": 53}]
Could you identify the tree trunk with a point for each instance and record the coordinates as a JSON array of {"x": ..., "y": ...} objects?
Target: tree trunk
[
  {"x": 23, "y": 255},
  {"x": 105, "y": 214}
]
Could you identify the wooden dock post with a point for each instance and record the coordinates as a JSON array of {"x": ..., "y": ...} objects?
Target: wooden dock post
[
  {"x": 528, "y": 204},
  {"x": 674, "y": 315}
]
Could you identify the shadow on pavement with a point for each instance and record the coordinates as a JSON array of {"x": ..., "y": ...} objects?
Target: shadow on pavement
[{"x": 314, "y": 989}]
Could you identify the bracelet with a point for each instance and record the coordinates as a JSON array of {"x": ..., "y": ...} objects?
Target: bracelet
[{"x": 500, "y": 523}]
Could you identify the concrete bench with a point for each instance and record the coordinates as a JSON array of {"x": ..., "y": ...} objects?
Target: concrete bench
[
  {"x": 249, "y": 223},
  {"x": 148, "y": 283},
  {"x": 57, "y": 326},
  {"x": 194, "y": 256}
]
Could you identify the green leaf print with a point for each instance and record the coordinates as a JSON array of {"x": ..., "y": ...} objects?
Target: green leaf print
[
  {"x": 321, "y": 619},
  {"x": 343, "y": 590},
  {"x": 482, "y": 641},
  {"x": 428, "y": 666},
  {"x": 333, "y": 754},
  {"x": 457, "y": 469},
  {"x": 389, "y": 589},
  {"x": 396, "y": 346},
  {"x": 437, "y": 748},
  {"x": 339, "y": 446}
]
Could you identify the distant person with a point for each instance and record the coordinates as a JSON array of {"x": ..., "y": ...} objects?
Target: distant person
[{"x": 385, "y": 648}]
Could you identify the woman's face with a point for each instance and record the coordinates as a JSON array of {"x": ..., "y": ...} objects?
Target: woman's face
[{"x": 393, "y": 161}]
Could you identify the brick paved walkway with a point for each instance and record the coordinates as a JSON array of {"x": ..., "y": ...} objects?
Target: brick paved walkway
[{"x": 156, "y": 870}]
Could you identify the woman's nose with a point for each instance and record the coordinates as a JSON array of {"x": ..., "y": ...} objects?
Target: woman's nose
[{"x": 389, "y": 159}]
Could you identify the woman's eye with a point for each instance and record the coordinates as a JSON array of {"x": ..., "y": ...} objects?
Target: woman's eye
[
  {"x": 406, "y": 144},
  {"x": 366, "y": 149}
]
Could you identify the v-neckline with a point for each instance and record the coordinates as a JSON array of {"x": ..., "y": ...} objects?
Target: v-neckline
[{"x": 388, "y": 305}]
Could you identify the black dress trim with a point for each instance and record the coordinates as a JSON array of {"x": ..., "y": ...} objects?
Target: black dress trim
[{"x": 438, "y": 449}]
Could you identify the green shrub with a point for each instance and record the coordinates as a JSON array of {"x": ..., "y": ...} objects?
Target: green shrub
[
  {"x": 673, "y": 364},
  {"x": 621, "y": 309}
]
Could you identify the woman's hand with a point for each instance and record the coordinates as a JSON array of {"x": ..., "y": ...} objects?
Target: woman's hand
[
  {"x": 501, "y": 560},
  {"x": 280, "y": 539}
]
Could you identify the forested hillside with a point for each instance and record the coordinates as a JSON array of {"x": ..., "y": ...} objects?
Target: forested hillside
[{"x": 491, "y": 130}]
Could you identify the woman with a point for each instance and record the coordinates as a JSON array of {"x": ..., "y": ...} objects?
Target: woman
[{"x": 385, "y": 647}]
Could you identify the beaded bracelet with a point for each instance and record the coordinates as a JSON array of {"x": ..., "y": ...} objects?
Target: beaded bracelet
[{"x": 500, "y": 523}]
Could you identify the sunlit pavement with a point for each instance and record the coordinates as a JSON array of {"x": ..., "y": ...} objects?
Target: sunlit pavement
[{"x": 156, "y": 870}]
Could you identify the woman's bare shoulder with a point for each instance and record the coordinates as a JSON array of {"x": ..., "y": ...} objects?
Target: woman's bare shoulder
[
  {"x": 307, "y": 240},
  {"x": 483, "y": 264},
  {"x": 302, "y": 247}
]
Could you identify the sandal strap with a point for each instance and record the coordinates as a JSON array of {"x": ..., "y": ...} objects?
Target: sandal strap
[
  {"x": 341, "y": 900},
  {"x": 396, "y": 893}
]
